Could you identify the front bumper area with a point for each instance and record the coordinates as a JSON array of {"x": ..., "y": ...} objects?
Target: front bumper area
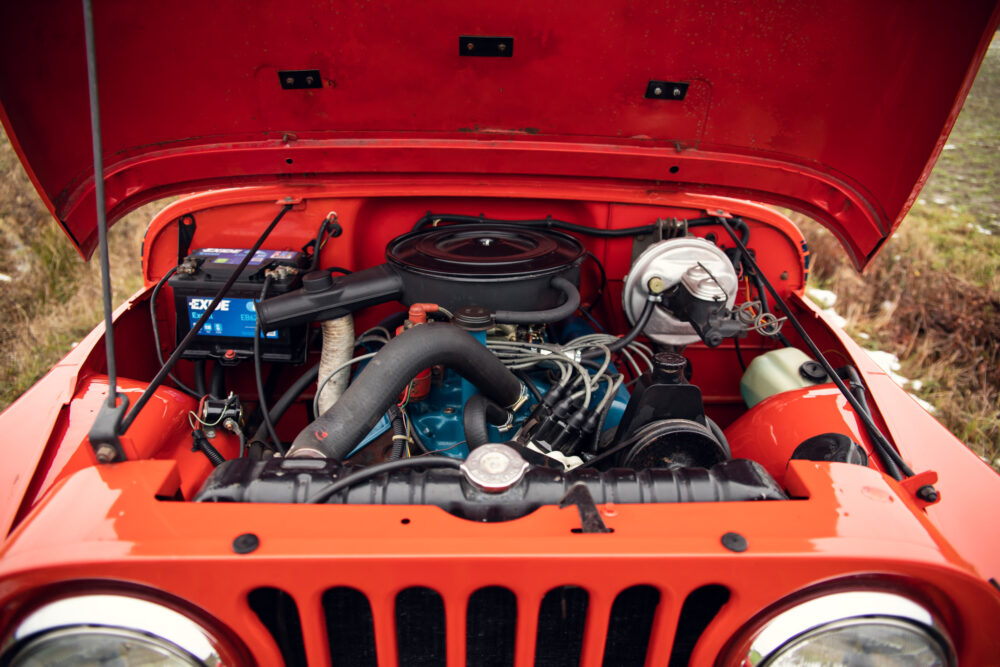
[{"x": 848, "y": 527}]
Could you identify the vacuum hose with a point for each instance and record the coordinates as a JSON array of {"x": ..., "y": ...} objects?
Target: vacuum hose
[
  {"x": 335, "y": 433},
  {"x": 557, "y": 314}
]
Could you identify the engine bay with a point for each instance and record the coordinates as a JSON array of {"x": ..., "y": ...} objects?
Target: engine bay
[{"x": 492, "y": 365}]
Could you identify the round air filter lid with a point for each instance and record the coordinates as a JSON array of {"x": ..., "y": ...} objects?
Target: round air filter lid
[{"x": 484, "y": 251}]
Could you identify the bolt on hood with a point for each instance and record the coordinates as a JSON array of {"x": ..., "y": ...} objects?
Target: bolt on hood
[{"x": 836, "y": 110}]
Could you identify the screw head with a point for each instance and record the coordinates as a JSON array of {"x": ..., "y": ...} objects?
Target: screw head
[
  {"x": 245, "y": 543},
  {"x": 501, "y": 47},
  {"x": 734, "y": 542},
  {"x": 449, "y": 410},
  {"x": 677, "y": 92},
  {"x": 309, "y": 80},
  {"x": 657, "y": 91},
  {"x": 105, "y": 453},
  {"x": 928, "y": 493},
  {"x": 469, "y": 46},
  {"x": 289, "y": 80}
]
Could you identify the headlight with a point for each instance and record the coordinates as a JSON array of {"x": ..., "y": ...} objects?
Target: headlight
[
  {"x": 108, "y": 630},
  {"x": 852, "y": 628}
]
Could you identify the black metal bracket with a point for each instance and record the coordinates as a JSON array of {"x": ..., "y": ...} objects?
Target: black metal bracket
[
  {"x": 666, "y": 90},
  {"x": 480, "y": 46},
  {"x": 590, "y": 517},
  {"x": 103, "y": 434},
  {"x": 298, "y": 79},
  {"x": 185, "y": 235}
]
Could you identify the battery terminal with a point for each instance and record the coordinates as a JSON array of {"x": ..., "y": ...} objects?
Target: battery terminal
[{"x": 281, "y": 271}]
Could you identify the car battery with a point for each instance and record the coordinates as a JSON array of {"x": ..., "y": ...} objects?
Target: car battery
[{"x": 228, "y": 334}]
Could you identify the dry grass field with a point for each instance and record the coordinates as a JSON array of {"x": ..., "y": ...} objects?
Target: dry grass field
[{"x": 932, "y": 297}]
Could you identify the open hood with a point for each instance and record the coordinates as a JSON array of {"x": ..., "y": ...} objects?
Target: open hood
[{"x": 837, "y": 110}]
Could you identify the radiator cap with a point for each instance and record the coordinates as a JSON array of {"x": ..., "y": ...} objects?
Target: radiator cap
[{"x": 494, "y": 467}]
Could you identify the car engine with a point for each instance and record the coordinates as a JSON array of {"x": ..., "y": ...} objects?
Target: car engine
[{"x": 494, "y": 390}]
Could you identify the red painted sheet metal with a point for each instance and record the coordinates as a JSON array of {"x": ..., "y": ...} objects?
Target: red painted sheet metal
[
  {"x": 852, "y": 523},
  {"x": 837, "y": 109},
  {"x": 966, "y": 483}
]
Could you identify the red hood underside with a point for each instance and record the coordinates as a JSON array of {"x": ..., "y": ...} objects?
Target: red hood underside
[{"x": 837, "y": 110}]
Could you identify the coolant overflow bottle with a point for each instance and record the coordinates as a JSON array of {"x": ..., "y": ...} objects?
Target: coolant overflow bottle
[{"x": 778, "y": 371}]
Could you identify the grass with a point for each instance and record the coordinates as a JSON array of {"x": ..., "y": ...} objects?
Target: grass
[{"x": 49, "y": 297}]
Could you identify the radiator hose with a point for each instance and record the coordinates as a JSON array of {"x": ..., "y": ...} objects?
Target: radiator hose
[
  {"x": 477, "y": 412},
  {"x": 335, "y": 433}
]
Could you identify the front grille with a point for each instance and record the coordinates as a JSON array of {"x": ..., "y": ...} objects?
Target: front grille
[
  {"x": 420, "y": 628},
  {"x": 562, "y": 617},
  {"x": 559, "y": 626},
  {"x": 350, "y": 628}
]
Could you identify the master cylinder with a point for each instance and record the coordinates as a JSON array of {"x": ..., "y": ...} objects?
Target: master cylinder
[{"x": 698, "y": 284}]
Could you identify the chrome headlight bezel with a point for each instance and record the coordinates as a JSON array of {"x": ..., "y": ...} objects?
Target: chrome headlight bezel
[
  {"x": 112, "y": 614},
  {"x": 832, "y": 611}
]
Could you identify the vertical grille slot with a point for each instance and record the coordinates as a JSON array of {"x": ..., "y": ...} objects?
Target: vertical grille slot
[
  {"x": 276, "y": 609},
  {"x": 420, "y": 628},
  {"x": 700, "y": 607},
  {"x": 630, "y": 625},
  {"x": 562, "y": 618},
  {"x": 490, "y": 627},
  {"x": 349, "y": 628}
]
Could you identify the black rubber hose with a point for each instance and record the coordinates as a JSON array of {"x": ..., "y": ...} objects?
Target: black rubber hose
[
  {"x": 185, "y": 342},
  {"x": 398, "y": 432},
  {"x": 762, "y": 295},
  {"x": 258, "y": 376},
  {"x": 529, "y": 383},
  {"x": 857, "y": 388},
  {"x": 882, "y": 445},
  {"x": 202, "y": 443},
  {"x": 291, "y": 395},
  {"x": 477, "y": 412},
  {"x": 156, "y": 332},
  {"x": 552, "y": 223},
  {"x": 338, "y": 431},
  {"x": 382, "y": 468},
  {"x": 199, "y": 378},
  {"x": 627, "y": 339},
  {"x": 217, "y": 383},
  {"x": 557, "y": 314},
  {"x": 744, "y": 230}
]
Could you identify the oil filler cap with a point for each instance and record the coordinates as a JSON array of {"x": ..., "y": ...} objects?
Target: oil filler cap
[{"x": 494, "y": 467}]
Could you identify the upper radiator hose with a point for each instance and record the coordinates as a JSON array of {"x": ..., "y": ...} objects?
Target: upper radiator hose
[{"x": 335, "y": 433}]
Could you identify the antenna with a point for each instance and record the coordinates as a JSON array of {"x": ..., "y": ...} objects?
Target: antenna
[
  {"x": 104, "y": 433},
  {"x": 112, "y": 420}
]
